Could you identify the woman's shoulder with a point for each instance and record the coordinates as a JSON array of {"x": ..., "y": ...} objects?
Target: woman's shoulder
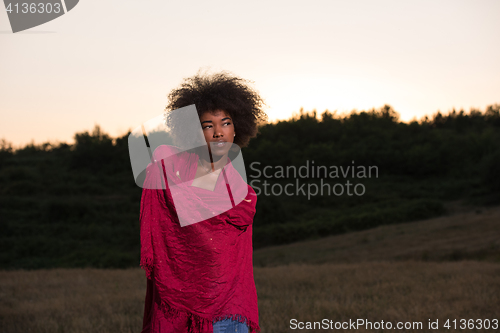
[{"x": 175, "y": 161}]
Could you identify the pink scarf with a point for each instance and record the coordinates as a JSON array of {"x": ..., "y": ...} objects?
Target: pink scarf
[{"x": 202, "y": 271}]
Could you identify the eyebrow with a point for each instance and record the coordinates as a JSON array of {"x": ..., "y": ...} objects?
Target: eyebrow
[{"x": 209, "y": 121}]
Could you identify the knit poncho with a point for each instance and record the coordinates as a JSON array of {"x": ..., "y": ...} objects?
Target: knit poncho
[{"x": 201, "y": 272}]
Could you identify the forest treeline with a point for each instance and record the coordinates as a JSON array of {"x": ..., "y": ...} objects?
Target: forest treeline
[{"x": 77, "y": 205}]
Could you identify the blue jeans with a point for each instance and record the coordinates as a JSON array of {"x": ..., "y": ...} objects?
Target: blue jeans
[{"x": 230, "y": 326}]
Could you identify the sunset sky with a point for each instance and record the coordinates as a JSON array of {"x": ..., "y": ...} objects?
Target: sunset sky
[{"x": 113, "y": 62}]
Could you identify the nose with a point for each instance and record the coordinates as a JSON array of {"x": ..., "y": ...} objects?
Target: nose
[{"x": 217, "y": 132}]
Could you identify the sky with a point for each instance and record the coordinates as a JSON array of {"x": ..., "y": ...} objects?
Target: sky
[{"x": 113, "y": 63}]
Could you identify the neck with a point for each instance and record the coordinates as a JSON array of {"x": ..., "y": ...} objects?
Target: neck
[{"x": 218, "y": 162}]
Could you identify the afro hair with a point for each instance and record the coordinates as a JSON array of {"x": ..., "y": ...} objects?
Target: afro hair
[{"x": 220, "y": 91}]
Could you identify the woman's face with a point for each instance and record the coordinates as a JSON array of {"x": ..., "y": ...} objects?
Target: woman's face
[{"x": 218, "y": 129}]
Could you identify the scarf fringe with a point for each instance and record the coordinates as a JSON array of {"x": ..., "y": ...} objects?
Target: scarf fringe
[
  {"x": 198, "y": 324},
  {"x": 147, "y": 266}
]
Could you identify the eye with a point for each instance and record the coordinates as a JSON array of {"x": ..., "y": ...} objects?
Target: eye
[
  {"x": 228, "y": 123},
  {"x": 208, "y": 126}
]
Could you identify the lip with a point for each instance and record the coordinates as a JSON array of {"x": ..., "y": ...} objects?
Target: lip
[{"x": 219, "y": 143}]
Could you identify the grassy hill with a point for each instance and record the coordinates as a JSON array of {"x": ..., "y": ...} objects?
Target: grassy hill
[
  {"x": 78, "y": 205},
  {"x": 466, "y": 233}
]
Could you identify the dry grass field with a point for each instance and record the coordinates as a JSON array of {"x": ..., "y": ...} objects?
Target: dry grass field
[
  {"x": 396, "y": 292},
  {"x": 399, "y": 273}
]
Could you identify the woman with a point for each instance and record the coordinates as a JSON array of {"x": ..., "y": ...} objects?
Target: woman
[{"x": 197, "y": 213}]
